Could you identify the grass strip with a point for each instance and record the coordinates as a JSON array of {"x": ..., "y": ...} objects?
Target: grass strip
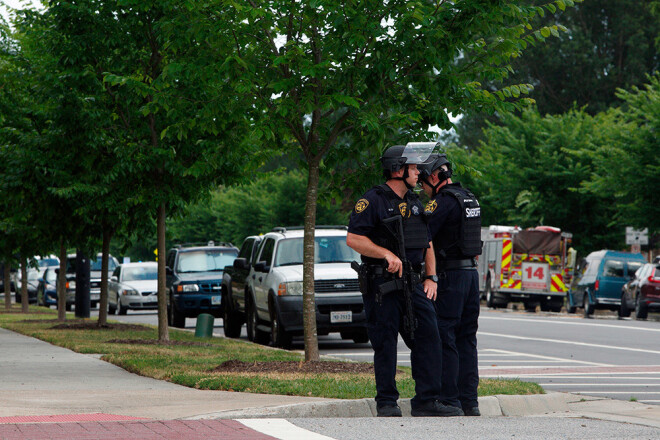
[{"x": 190, "y": 361}]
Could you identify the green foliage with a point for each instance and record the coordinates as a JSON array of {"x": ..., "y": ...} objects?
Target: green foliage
[
  {"x": 609, "y": 44},
  {"x": 233, "y": 213},
  {"x": 533, "y": 169},
  {"x": 589, "y": 175},
  {"x": 628, "y": 166}
]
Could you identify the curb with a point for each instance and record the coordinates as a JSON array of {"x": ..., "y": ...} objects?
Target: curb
[{"x": 490, "y": 406}]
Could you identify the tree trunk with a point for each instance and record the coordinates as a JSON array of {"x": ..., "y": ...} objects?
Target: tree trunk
[
  {"x": 309, "y": 303},
  {"x": 61, "y": 285},
  {"x": 163, "y": 331},
  {"x": 7, "y": 281},
  {"x": 24, "y": 286},
  {"x": 103, "y": 301}
]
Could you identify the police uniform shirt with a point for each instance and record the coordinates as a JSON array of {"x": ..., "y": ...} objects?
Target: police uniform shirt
[
  {"x": 444, "y": 213},
  {"x": 372, "y": 208}
]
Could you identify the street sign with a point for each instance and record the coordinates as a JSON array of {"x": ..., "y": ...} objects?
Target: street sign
[{"x": 637, "y": 236}]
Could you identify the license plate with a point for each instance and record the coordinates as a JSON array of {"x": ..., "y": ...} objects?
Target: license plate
[
  {"x": 216, "y": 300},
  {"x": 336, "y": 317}
]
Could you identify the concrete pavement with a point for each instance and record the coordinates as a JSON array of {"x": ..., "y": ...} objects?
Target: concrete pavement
[{"x": 41, "y": 383}]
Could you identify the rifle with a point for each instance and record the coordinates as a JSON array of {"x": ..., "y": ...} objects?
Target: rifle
[{"x": 406, "y": 283}]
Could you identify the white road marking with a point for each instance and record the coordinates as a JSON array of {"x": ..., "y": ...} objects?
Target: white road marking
[
  {"x": 557, "y": 322},
  {"x": 614, "y": 392},
  {"x": 600, "y": 384},
  {"x": 649, "y": 401},
  {"x": 550, "y": 358},
  {"x": 564, "y": 376},
  {"x": 282, "y": 429},
  {"x": 560, "y": 341}
]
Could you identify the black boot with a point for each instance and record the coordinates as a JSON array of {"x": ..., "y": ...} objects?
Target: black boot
[
  {"x": 436, "y": 409},
  {"x": 472, "y": 412},
  {"x": 388, "y": 411}
]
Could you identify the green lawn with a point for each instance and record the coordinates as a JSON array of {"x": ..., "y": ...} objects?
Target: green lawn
[{"x": 190, "y": 361}]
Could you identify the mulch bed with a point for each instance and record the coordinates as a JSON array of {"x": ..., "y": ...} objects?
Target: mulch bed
[
  {"x": 157, "y": 342},
  {"x": 87, "y": 325},
  {"x": 234, "y": 366}
]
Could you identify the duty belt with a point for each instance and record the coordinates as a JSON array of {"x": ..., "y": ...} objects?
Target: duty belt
[
  {"x": 468, "y": 263},
  {"x": 378, "y": 271}
]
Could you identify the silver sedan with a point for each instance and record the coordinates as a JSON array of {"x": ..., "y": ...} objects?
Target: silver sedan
[{"x": 133, "y": 286}]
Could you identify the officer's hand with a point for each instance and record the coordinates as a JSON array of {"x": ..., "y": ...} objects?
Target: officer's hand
[
  {"x": 431, "y": 289},
  {"x": 394, "y": 264}
]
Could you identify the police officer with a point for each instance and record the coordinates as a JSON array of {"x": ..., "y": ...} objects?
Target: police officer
[
  {"x": 367, "y": 234},
  {"x": 454, "y": 219}
]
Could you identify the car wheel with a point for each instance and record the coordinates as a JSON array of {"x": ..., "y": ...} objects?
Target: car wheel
[
  {"x": 175, "y": 319},
  {"x": 254, "y": 334},
  {"x": 93, "y": 304},
  {"x": 112, "y": 309},
  {"x": 641, "y": 310},
  {"x": 588, "y": 307},
  {"x": 569, "y": 307},
  {"x": 231, "y": 320},
  {"x": 121, "y": 310},
  {"x": 278, "y": 336},
  {"x": 624, "y": 310},
  {"x": 360, "y": 336},
  {"x": 530, "y": 306}
]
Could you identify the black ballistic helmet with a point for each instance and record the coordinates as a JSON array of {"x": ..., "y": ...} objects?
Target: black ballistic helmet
[
  {"x": 434, "y": 162},
  {"x": 392, "y": 159}
]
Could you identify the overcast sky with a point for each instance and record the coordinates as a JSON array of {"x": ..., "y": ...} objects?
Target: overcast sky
[{"x": 16, "y": 4}]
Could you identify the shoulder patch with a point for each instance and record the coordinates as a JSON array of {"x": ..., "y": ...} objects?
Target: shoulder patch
[
  {"x": 403, "y": 208},
  {"x": 361, "y": 205},
  {"x": 430, "y": 206}
]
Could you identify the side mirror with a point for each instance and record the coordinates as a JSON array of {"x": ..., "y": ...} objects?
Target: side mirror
[
  {"x": 113, "y": 278},
  {"x": 261, "y": 266},
  {"x": 240, "y": 263}
]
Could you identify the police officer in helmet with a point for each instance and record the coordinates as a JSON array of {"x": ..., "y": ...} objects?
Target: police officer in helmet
[
  {"x": 454, "y": 218},
  {"x": 388, "y": 310}
]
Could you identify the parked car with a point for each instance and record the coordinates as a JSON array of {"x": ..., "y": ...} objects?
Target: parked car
[
  {"x": 234, "y": 287},
  {"x": 194, "y": 278},
  {"x": 40, "y": 265},
  {"x": 94, "y": 279},
  {"x": 133, "y": 286},
  {"x": 599, "y": 279},
  {"x": 47, "y": 288},
  {"x": 274, "y": 306},
  {"x": 33, "y": 276},
  {"x": 642, "y": 293}
]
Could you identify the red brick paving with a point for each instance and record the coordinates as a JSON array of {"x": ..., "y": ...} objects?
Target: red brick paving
[{"x": 132, "y": 430}]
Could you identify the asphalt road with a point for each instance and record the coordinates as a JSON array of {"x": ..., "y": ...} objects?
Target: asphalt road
[{"x": 604, "y": 356}]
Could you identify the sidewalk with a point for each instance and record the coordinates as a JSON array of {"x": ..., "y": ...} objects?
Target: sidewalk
[{"x": 42, "y": 383}]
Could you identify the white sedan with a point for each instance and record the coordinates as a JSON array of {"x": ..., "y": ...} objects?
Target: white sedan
[{"x": 133, "y": 286}]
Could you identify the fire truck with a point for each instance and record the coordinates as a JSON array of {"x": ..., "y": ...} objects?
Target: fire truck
[{"x": 533, "y": 266}]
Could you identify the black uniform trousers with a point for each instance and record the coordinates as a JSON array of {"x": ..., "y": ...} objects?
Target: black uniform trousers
[
  {"x": 457, "y": 309},
  {"x": 384, "y": 322}
]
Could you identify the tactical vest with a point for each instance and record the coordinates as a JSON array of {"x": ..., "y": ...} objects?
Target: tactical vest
[
  {"x": 469, "y": 232},
  {"x": 415, "y": 231}
]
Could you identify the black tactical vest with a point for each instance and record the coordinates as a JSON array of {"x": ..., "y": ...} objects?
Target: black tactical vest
[
  {"x": 469, "y": 232},
  {"x": 415, "y": 231}
]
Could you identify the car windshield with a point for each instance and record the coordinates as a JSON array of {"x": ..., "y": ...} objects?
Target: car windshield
[
  {"x": 96, "y": 265},
  {"x": 326, "y": 250},
  {"x": 140, "y": 273},
  {"x": 48, "y": 262},
  {"x": 613, "y": 268},
  {"x": 206, "y": 260}
]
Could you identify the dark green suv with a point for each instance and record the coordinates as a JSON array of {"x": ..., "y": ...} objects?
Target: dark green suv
[{"x": 194, "y": 280}]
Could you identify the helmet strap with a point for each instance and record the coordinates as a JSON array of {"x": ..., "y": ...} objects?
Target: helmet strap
[
  {"x": 433, "y": 187},
  {"x": 404, "y": 178}
]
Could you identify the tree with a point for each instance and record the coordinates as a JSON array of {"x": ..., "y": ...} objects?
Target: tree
[
  {"x": 330, "y": 79},
  {"x": 627, "y": 168},
  {"x": 233, "y": 213},
  {"x": 610, "y": 44},
  {"x": 532, "y": 171}
]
